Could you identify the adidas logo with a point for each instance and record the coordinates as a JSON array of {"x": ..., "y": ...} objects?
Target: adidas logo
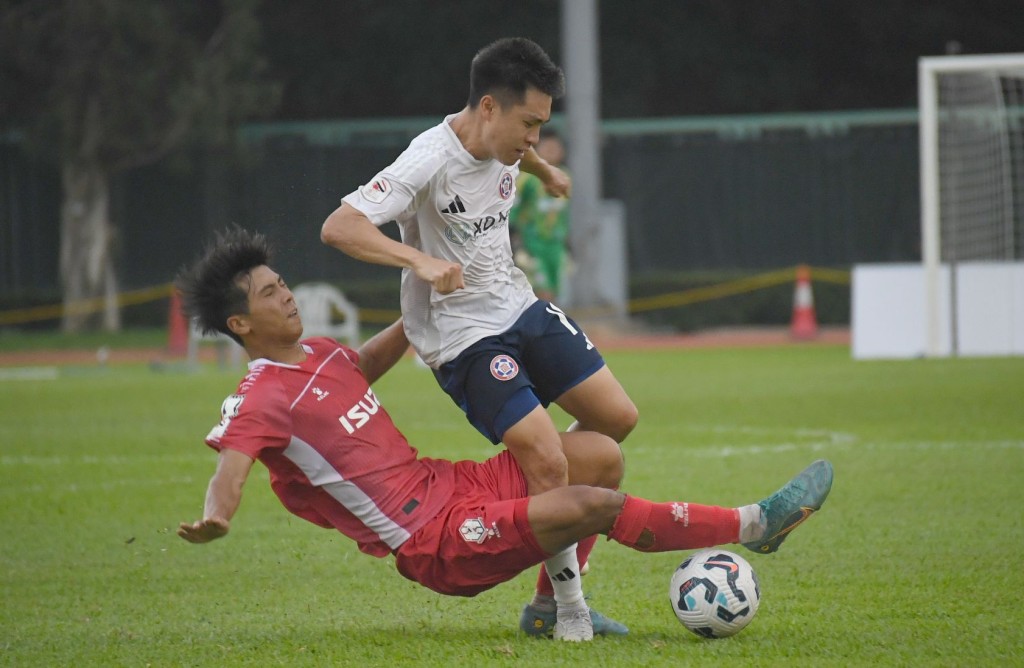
[
  {"x": 455, "y": 206},
  {"x": 566, "y": 575}
]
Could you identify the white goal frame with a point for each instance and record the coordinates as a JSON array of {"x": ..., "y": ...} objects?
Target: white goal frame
[{"x": 929, "y": 69}]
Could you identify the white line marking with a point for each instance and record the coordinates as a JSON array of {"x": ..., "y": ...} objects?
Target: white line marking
[
  {"x": 814, "y": 440},
  {"x": 29, "y": 373},
  {"x": 109, "y": 460},
  {"x": 105, "y": 486}
]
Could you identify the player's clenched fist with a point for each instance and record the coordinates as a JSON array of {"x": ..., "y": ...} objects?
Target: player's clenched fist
[
  {"x": 557, "y": 183},
  {"x": 444, "y": 276}
]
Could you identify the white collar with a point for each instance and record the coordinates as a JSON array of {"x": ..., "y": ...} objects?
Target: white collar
[{"x": 263, "y": 360}]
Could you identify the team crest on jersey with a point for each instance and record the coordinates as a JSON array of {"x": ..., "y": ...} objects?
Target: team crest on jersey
[
  {"x": 377, "y": 189},
  {"x": 505, "y": 185},
  {"x": 504, "y": 368},
  {"x": 474, "y": 530}
]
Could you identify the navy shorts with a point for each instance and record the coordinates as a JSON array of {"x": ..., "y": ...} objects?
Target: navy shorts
[{"x": 499, "y": 379}]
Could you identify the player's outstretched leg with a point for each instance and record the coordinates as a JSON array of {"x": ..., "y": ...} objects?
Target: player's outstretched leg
[
  {"x": 787, "y": 508},
  {"x": 537, "y": 620}
]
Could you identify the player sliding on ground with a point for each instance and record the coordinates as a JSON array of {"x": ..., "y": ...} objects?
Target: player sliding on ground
[{"x": 306, "y": 410}]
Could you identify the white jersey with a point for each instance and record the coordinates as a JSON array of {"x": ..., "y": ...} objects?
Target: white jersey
[{"x": 451, "y": 206}]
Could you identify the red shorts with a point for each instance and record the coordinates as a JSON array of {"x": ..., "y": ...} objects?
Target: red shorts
[{"x": 481, "y": 539}]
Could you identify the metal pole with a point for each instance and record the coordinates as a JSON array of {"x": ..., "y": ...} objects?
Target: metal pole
[
  {"x": 930, "y": 217},
  {"x": 583, "y": 104}
]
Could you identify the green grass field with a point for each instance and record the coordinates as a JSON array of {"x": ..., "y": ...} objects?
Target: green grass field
[{"x": 914, "y": 560}]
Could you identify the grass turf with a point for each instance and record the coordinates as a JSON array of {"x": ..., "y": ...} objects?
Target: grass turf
[{"x": 913, "y": 560}]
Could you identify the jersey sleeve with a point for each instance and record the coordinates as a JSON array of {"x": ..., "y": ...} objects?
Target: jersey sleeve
[
  {"x": 253, "y": 422},
  {"x": 398, "y": 191}
]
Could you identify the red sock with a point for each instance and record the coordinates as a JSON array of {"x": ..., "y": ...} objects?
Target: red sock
[
  {"x": 661, "y": 527},
  {"x": 583, "y": 548}
]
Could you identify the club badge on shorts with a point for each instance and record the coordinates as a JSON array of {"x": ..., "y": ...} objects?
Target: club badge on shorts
[
  {"x": 504, "y": 367},
  {"x": 474, "y": 530}
]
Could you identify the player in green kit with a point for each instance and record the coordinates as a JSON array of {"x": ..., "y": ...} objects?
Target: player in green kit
[{"x": 541, "y": 222}]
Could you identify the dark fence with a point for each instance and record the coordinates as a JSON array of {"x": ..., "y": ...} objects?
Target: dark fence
[{"x": 741, "y": 193}]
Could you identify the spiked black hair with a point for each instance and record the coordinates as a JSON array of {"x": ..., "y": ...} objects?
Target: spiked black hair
[
  {"x": 506, "y": 68},
  {"x": 210, "y": 288}
]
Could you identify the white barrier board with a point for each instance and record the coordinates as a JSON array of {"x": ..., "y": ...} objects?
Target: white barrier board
[{"x": 888, "y": 310}]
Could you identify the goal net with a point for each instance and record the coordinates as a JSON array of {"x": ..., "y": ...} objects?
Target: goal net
[{"x": 972, "y": 197}]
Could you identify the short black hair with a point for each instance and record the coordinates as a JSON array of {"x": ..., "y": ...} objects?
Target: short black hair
[
  {"x": 209, "y": 288},
  {"x": 506, "y": 68}
]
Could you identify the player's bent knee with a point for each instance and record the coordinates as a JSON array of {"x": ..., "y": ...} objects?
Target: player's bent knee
[
  {"x": 614, "y": 466},
  {"x": 594, "y": 459},
  {"x": 624, "y": 421},
  {"x": 546, "y": 473}
]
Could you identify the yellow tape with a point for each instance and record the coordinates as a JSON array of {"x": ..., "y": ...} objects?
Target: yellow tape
[
  {"x": 710, "y": 292},
  {"x": 838, "y": 276},
  {"x": 84, "y": 306},
  {"x": 387, "y": 316}
]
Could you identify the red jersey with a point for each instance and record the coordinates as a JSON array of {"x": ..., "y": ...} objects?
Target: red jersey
[{"x": 334, "y": 455}]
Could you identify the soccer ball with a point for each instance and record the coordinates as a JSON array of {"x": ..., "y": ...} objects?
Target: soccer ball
[{"x": 714, "y": 593}]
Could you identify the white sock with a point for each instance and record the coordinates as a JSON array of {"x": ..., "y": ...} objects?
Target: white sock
[
  {"x": 564, "y": 571},
  {"x": 752, "y": 523}
]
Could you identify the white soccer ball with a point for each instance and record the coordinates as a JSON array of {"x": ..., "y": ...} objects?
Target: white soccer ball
[{"x": 714, "y": 593}]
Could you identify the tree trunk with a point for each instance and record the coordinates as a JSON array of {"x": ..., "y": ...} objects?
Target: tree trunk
[{"x": 86, "y": 244}]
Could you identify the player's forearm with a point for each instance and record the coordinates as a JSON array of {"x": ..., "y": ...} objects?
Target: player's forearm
[
  {"x": 352, "y": 233},
  {"x": 531, "y": 163},
  {"x": 382, "y": 351},
  {"x": 224, "y": 493},
  {"x": 556, "y": 182},
  {"x": 223, "y": 496}
]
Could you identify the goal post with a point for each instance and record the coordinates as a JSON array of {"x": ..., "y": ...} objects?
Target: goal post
[{"x": 972, "y": 183}]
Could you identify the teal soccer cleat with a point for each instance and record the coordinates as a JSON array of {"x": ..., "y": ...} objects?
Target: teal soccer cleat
[
  {"x": 789, "y": 507},
  {"x": 539, "y": 623}
]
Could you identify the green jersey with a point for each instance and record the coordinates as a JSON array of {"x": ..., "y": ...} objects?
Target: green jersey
[{"x": 542, "y": 222}]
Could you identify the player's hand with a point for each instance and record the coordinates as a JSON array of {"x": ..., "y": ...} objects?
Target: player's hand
[
  {"x": 558, "y": 183},
  {"x": 204, "y": 530},
  {"x": 444, "y": 276}
]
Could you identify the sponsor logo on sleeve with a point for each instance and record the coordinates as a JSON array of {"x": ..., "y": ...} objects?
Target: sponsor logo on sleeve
[
  {"x": 376, "y": 190},
  {"x": 228, "y": 411}
]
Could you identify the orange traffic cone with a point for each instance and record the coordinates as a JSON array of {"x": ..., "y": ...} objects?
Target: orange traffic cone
[
  {"x": 177, "y": 327},
  {"x": 805, "y": 323}
]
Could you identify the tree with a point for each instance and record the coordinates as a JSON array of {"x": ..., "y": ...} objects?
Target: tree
[{"x": 101, "y": 86}]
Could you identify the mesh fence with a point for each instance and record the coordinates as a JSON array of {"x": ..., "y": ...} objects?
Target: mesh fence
[{"x": 827, "y": 192}]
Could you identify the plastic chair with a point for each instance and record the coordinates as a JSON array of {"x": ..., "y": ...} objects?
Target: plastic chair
[{"x": 319, "y": 305}]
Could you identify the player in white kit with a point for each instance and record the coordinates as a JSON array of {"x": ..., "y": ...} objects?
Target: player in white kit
[{"x": 470, "y": 313}]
